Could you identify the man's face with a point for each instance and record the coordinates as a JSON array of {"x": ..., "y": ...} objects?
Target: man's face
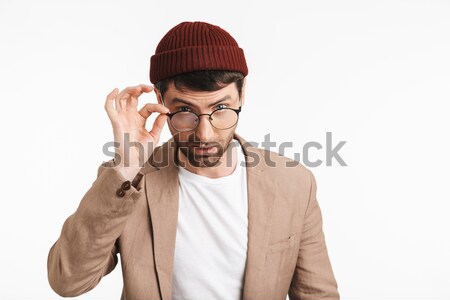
[{"x": 205, "y": 145}]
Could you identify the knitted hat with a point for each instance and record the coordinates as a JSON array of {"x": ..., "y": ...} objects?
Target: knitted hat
[{"x": 196, "y": 46}]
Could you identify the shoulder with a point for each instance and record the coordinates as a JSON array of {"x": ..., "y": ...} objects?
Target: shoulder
[
  {"x": 293, "y": 183},
  {"x": 287, "y": 173}
]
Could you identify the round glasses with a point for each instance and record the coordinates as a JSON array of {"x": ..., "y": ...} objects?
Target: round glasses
[{"x": 222, "y": 118}]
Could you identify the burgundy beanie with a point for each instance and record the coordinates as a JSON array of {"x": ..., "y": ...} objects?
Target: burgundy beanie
[{"x": 196, "y": 46}]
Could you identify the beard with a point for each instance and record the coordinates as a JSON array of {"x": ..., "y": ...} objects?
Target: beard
[{"x": 207, "y": 158}]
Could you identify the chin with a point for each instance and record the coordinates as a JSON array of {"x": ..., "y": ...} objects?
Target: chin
[{"x": 204, "y": 161}]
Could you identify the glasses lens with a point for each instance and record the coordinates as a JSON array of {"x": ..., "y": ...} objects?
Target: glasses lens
[
  {"x": 184, "y": 121},
  {"x": 224, "y": 118},
  {"x": 221, "y": 119}
]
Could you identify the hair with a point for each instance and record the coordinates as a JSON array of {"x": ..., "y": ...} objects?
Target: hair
[{"x": 208, "y": 80}]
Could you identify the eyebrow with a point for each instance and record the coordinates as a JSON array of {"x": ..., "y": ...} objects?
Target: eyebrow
[{"x": 178, "y": 100}]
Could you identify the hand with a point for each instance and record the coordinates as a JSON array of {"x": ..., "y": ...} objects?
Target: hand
[{"x": 126, "y": 119}]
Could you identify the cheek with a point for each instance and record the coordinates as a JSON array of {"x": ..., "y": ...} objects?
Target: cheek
[
  {"x": 225, "y": 136},
  {"x": 171, "y": 129},
  {"x": 180, "y": 136}
]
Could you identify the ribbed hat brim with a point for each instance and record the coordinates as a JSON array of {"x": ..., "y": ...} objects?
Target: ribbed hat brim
[{"x": 196, "y": 58}]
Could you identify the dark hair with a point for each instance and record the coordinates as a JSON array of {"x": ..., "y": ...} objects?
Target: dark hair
[{"x": 209, "y": 80}]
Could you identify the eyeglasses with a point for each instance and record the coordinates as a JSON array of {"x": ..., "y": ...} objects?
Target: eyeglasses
[{"x": 222, "y": 118}]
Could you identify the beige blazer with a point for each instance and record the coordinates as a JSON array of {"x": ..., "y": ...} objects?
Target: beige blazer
[{"x": 287, "y": 253}]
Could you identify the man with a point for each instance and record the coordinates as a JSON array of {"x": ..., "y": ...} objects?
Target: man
[{"x": 204, "y": 216}]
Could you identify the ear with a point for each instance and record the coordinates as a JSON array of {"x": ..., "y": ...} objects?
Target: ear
[
  {"x": 158, "y": 94},
  {"x": 243, "y": 91}
]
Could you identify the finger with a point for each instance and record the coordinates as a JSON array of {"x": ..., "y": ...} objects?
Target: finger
[
  {"x": 117, "y": 103},
  {"x": 157, "y": 127},
  {"x": 123, "y": 104},
  {"x": 123, "y": 96},
  {"x": 135, "y": 91},
  {"x": 129, "y": 96},
  {"x": 149, "y": 108},
  {"x": 133, "y": 102},
  {"x": 109, "y": 103},
  {"x": 146, "y": 88}
]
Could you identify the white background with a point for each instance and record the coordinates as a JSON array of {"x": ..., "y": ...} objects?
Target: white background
[{"x": 374, "y": 73}]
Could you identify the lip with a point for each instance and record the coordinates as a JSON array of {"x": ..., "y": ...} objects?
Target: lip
[{"x": 204, "y": 150}]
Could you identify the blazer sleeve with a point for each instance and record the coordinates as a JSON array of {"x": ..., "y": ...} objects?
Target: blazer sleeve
[
  {"x": 313, "y": 277},
  {"x": 87, "y": 247}
]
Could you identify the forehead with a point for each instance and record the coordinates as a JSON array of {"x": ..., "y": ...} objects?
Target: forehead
[{"x": 201, "y": 97}]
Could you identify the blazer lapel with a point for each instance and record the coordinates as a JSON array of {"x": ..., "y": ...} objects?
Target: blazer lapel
[
  {"x": 162, "y": 188},
  {"x": 261, "y": 193}
]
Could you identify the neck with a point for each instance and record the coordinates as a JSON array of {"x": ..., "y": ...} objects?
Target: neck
[{"x": 221, "y": 169}]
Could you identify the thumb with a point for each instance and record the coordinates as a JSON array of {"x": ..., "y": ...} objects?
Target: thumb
[{"x": 157, "y": 127}]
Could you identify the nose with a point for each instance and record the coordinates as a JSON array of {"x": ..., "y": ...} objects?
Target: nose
[{"x": 204, "y": 130}]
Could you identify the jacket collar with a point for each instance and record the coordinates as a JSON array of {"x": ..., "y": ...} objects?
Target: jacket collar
[{"x": 162, "y": 187}]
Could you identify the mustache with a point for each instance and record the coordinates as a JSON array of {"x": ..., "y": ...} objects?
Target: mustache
[
  {"x": 198, "y": 145},
  {"x": 193, "y": 142}
]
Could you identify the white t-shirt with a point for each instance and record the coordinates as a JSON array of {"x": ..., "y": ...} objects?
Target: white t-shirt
[{"x": 212, "y": 234}]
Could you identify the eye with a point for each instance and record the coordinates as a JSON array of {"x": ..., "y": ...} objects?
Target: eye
[
  {"x": 221, "y": 106},
  {"x": 183, "y": 108}
]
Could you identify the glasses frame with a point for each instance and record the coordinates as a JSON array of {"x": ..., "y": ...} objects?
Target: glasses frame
[{"x": 237, "y": 111}]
